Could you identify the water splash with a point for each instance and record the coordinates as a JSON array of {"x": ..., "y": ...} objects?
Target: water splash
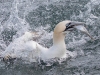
[{"x": 18, "y": 16}]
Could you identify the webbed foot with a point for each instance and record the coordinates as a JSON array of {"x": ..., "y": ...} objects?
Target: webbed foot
[{"x": 8, "y": 58}]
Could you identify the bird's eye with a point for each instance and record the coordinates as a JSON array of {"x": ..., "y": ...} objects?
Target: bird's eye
[{"x": 68, "y": 25}]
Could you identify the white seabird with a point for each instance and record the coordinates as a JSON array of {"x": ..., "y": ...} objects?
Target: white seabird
[{"x": 24, "y": 47}]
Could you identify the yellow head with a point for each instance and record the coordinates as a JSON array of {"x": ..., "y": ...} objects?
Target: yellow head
[{"x": 62, "y": 28}]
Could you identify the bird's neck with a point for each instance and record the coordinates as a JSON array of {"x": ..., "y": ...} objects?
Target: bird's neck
[{"x": 58, "y": 39}]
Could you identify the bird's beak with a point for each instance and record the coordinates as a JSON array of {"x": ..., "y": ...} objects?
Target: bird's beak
[
  {"x": 70, "y": 26},
  {"x": 74, "y": 23},
  {"x": 79, "y": 26}
]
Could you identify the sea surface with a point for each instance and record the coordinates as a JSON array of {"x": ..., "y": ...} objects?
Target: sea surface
[{"x": 18, "y": 16}]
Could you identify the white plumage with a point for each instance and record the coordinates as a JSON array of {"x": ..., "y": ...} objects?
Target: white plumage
[{"x": 24, "y": 47}]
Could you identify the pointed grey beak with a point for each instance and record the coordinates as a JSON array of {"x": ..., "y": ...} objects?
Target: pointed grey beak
[
  {"x": 79, "y": 26},
  {"x": 77, "y": 23},
  {"x": 70, "y": 25}
]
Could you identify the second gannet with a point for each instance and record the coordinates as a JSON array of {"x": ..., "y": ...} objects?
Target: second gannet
[{"x": 25, "y": 47}]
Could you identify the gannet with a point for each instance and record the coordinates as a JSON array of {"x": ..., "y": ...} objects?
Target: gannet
[{"x": 25, "y": 47}]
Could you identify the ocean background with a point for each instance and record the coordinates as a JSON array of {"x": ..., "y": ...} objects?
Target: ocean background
[{"x": 18, "y": 16}]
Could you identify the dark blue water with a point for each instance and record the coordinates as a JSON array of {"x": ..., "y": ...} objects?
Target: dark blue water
[{"x": 18, "y": 16}]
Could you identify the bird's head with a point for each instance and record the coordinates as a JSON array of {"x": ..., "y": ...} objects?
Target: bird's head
[{"x": 65, "y": 26}]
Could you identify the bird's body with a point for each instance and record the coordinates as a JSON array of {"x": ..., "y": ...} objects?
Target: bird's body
[{"x": 26, "y": 48}]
